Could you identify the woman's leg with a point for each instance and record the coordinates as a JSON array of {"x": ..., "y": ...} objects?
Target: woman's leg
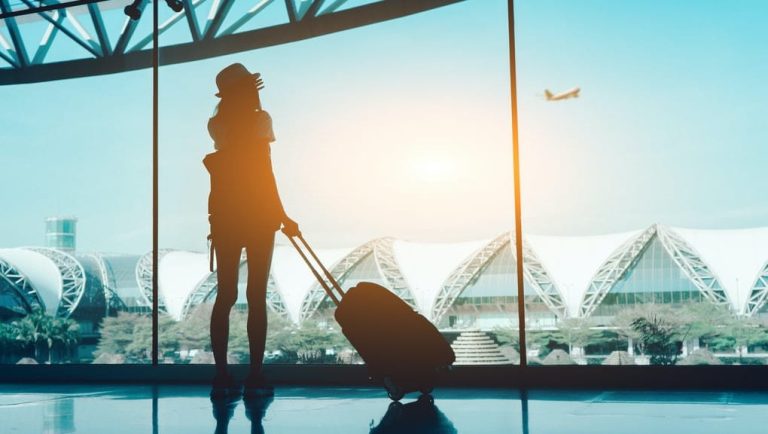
[
  {"x": 259, "y": 262},
  {"x": 228, "y": 264}
]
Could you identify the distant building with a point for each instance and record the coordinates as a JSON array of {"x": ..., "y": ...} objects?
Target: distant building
[
  {"x": 458, "y": 286},
  {"x": 61, "y": 233}
]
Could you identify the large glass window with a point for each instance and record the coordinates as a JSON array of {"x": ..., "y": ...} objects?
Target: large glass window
[
  {"x": 77, "y": 174},
  {"x": 641, "y": 154},
  {"x": 391, "y": 152},
  {"x": 78, "y": 171},
  {"x": 643, "y": 234}
]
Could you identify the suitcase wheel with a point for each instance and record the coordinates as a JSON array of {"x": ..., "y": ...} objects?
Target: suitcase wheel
[
  {"x": 394, "y": 391},
  {"x": 426, "y": 389}
]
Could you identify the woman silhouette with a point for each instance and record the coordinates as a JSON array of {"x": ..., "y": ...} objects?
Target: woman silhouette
[{"x": 244, "y": 212}]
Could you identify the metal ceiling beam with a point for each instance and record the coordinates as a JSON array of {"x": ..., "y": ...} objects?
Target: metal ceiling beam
[
  {"x": 216, "y": 18},
  {"x": 189, "y": 13},
  {"x": 129, "y": 28},
  {"x": 100, "y": 29},
  {"x": 122, "y": 59},
  {"x": 83, "y": 40},
  {"x": 51, "y": 7},
  {"x": 20, "y": 50}
]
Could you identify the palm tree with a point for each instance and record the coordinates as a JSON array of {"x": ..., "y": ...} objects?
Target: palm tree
[
  {"x": 66, "y": 333},
  {"x": 39, "y": 329},
  {"x": 31, "y": 330},
  {"x": 7, "y": 340}
]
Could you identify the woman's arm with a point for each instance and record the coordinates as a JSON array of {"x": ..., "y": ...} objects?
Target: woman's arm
[{"x": 289, "y": 226}]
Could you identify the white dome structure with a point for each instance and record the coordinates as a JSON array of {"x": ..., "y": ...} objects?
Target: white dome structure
[
  {"x": 455, "y": 285},
  {"x": 40, "y": 272},
  {"x": 736, "y": 257}
]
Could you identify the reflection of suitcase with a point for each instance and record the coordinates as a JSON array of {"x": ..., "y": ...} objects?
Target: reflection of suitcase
[{"x": 402, "y": 349}]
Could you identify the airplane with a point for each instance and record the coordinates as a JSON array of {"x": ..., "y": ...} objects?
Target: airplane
[{"x": 571, "y": 93}]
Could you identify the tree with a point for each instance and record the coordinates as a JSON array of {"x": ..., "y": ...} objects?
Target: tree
[
  {"x": 31, "y": 331},
  {"x": 744, "y": 331},
  {"x": 308, "y": 343},
  {"x": 546, "y": 341},
  {"x": 167, "y": 338},
  {"x": 659, "y": 335},
  {"x": 117, "y": 333},
  {"x": 38, "y": 331},
  {"x": 576, "y": 332},
  {"x": 657, "y": 328},
  {"x": 65, "y": 336},
  {"x": 507, "y": 337},
  {"x": 239, "y": 346},
  {"x": 194, "y": 331},
  {"x": 130, "y": 334},
  {"x": 8, "y": 344},
  {"x": 706, "y": 321}
]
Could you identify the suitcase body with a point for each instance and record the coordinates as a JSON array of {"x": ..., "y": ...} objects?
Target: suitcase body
[
  {"x": 402, "y": 349},
  {"x": 398, "y": 344}
]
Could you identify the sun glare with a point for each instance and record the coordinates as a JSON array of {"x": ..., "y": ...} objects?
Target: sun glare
[{"x": 432, "y": 170}]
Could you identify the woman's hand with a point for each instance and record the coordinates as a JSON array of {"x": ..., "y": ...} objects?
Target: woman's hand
[{"x": 290, "y": 227}]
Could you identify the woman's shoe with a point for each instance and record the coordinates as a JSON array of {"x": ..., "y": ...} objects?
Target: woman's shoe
[
  {"x": 256, "y": 386},
  {"x": 224, "y": 386}
]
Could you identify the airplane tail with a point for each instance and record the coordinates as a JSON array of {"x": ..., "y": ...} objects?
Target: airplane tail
[{"x": 548, "y": 94}]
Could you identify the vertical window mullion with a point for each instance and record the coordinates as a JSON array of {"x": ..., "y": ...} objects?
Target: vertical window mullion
[{"x": 516, "y": 175}]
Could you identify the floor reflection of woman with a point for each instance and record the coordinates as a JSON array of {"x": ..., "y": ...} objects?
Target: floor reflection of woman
[
  {"x": 255, "y": 410},
  {"x": 245, "y": 211}
]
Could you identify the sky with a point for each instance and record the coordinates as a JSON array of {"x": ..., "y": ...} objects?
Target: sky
[{"x": 403, "y": 129}]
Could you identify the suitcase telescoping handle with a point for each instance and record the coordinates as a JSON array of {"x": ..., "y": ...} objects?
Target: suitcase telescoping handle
[{"x": 334, "y": 285}]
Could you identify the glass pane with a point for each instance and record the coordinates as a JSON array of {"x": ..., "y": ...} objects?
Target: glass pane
[
  {"x": 393, "y": 154},
  {"x": 78, "y": 155},
  {"x": 641, "y": 159}
]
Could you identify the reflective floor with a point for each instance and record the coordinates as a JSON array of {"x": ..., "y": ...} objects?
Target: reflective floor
[{"x": 187, "y": 409}]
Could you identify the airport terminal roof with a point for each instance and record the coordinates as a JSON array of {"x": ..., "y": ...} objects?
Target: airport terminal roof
[{"x": 582, "y": 269}]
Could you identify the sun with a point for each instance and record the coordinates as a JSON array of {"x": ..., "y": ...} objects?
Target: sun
[{"x": 432, "y": 170}]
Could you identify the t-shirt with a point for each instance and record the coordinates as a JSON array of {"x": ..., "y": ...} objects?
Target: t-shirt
[
  {"x": 244, "y": 194},
  {"x": 259, "y": 128}
]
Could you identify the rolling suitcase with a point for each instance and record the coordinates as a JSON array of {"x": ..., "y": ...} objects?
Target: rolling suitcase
[{"x": 403, "y": 350}]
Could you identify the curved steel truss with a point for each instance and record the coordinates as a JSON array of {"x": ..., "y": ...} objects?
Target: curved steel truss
[
  {"x": 21, "y": 285},
  {"x": 466, "y": 273},
  {"x": 72, "y": 278},
  {"x": 693, "y": 266},
  {"x": 206, "y": 291},
  {"x": 613, "y": 269},
  {"x": 144, "y": 277},
  {"x": 99, "y": 53},
  {"x": 112, "y": 300},
  {"x": 384, "y": 254},
  {"x": 534, "y": 273},
  {"x": 317, "y": 295},
  {"x": 537, "y": 276},
  {"x": 759, "y": 292},
  {"x": 386, "y": 263}
]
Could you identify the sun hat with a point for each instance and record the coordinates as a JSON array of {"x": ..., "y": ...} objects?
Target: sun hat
[{"x": 232, "y": 77}]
